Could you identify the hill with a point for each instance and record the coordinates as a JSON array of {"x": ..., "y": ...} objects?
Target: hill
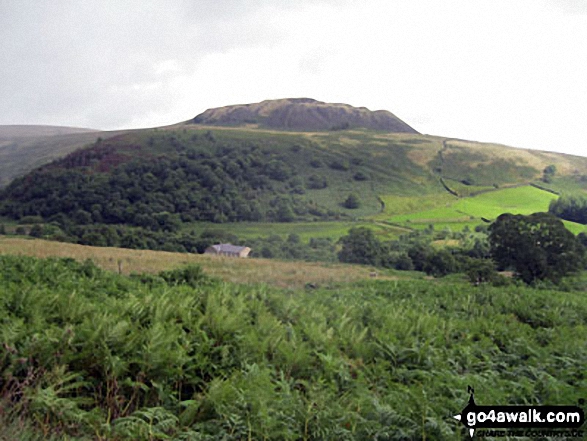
[
  {"x": 303, "y": 114},
  {"x": 162, "y": 185},
  {"x": 25, "y": 147},
  {"x": 25, "y": 131}
]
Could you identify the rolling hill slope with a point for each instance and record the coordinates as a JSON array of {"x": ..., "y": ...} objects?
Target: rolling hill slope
[
  {"x": 243, "y": 170},
  {"x": 25, "y": 147}
]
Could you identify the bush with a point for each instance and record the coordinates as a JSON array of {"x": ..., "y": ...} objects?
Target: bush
[
  {"x": 352, "y": 202},
  {"x": 316, "y": 182},
  {"x": 191, "y": 275},
  {"x": 481, "y": 271},
  {"x": 440, "y": 264},
  {"x": 339, "y": 165},
  {"x": 361, "y": 246},
  {"x": 26, "y": 220},
  {"x": 360, "y": 176},
  {"x": 36, "y": 231}
]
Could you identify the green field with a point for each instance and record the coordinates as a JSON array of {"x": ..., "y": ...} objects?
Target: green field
[
  {"x": 402, "y": 213},
  {"x": 458, "y": 213},
  {"x": 306, "y": 230}
]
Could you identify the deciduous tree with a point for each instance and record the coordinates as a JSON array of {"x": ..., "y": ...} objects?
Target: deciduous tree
[{"x": 537, "y": 246}]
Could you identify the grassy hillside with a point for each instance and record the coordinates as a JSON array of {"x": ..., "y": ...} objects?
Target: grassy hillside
[
  {"x": 254, "y": 181},
  {"x": 95, "y": 355},
  {"x": 456, "y": 213},
  {"x": 34, "y": 131},
  {"x": 371, "y": 165},
  {"x": 23, "y": 148},
  {"x": 222, "y": 175},
  {"x": 305, "y": 230}
]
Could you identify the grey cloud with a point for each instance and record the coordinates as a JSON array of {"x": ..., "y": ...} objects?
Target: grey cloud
[
  {"x": 71, "y": 57},
  {"x": 578, "y": 7}
]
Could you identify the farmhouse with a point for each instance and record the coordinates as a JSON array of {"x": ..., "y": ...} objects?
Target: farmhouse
[{"x": 226, "y": 249}]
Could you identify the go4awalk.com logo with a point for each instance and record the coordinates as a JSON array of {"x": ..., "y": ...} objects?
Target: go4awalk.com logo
[{"x": 529, "y": 421}]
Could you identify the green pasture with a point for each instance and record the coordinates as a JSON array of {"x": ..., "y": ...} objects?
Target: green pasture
[
  {"x": 567, "y": 184},
  {"x": 404, "y": 212},
  {"x": 449, "y": 212},
  {"x": 396, "y": 205},
  {"x": 464, "y": 190},
  {"x": 306, "y": 230},
  {"x": 574, "y": 227},
  {"x": 519, "y": 200},
  {"x": 452, "y": 226}
]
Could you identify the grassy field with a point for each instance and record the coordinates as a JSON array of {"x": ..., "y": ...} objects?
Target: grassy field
[
  {"x": 458, "y": 213},
  {"x": 410, "y": 212},
  {"x": 306, "y": 230},
  {"x": 272, "y": 272}
]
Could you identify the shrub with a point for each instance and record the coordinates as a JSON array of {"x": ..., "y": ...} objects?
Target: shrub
[
  {"x": 480, "y": 271},
  {"x": 360, "y": 246},
  {"x": 36, "y": 231},
  {"x": 316, "y": 182},
  {"x": 191, "y": 275},
  {"x": 352, "y": 202},
  {"x": 316, "y": 163},
  {"x": 441, "y": 263},
  {"x": 360, "y": 176},
  {"x": 338, "y": 164}
]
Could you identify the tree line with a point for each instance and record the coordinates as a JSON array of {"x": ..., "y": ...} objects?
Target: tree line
[
  {"x": 570, "y": 207},
  {"x": 535, "y": 247},
  {"x": 203, "y": 181}
]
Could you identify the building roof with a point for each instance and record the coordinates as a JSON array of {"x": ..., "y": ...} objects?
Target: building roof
[{"x": 228, "y": 248}]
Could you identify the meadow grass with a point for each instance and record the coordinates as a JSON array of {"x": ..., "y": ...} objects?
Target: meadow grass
[
  {"x": 567, "y": 184},
  {"x": 249, "y": 271},
  {"x": 518, "y": 200},
  {"x": 397, "y": 205},
  {"x": 305, "y": 230},
  {"x": 456, "y": 214}
]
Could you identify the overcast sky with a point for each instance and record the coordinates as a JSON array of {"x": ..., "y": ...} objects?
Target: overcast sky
[{"x": 506, "y": 71}]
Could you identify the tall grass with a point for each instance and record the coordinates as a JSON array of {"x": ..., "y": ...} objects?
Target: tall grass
[{"x": 250, "y": 271}]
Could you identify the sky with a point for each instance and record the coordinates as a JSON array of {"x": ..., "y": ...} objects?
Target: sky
[{"x": 506, "y": 71}]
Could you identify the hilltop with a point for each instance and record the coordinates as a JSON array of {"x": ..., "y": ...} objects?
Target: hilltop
[{"x": 303, "y": 114}]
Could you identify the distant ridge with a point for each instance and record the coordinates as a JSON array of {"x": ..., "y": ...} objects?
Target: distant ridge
[
  {"x": 303, "y": 114},
  {"x": 24, "y": 147},
  {"x": 29, "y": 130}
]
